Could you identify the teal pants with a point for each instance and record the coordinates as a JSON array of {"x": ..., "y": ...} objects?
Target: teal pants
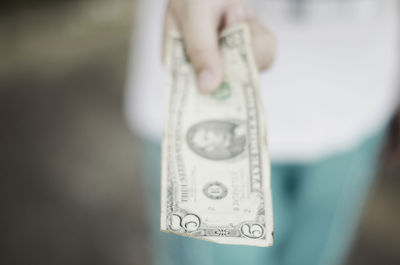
[{"x": 316, "y": 210}]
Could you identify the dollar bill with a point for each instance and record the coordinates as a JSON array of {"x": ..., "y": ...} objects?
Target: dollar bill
[{"x": 215, "y": 165}]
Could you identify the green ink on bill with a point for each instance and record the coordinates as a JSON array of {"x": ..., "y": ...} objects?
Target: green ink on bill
[{"x": 223, "y": 92}]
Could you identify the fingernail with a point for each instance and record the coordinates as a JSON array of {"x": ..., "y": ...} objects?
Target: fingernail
[{"x": 205, "y": 81}]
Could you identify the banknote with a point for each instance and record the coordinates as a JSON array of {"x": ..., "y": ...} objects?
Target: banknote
[{"x": 215, "y": 181}]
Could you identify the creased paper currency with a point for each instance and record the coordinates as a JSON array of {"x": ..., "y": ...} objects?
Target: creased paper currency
[{"x": 215, "y": 166}]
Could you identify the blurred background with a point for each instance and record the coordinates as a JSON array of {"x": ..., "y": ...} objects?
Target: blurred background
[{"x": 69, "y": 166}]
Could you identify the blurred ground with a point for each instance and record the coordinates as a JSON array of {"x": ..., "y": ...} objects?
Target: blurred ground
[
  {"x": 70, "y": 185},
  {"x": 70, "y": 190}
]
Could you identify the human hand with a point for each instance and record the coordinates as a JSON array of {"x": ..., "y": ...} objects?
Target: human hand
[{"x": 200, "y": 21}]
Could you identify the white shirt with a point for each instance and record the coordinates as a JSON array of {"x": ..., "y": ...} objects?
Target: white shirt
[{"x": 334, "y": 81}]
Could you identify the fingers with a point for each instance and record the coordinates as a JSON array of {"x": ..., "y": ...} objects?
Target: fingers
[
  {"x": 236, "y": 13},
  {"x": 263, "y": 41},
  {"x": 200, "y": 32},
  {"x": 199, "y": 23},
  {"x": 264, "y": 44}
]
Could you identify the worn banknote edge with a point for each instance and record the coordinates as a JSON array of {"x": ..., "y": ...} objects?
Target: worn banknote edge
[{"x": 266, "y": 164}]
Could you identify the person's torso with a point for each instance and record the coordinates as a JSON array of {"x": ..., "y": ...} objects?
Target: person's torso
[{"x": 333, "y": 81}]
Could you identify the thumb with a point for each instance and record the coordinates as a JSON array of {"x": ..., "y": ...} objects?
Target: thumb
[{"x": 200, "y": 33}]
